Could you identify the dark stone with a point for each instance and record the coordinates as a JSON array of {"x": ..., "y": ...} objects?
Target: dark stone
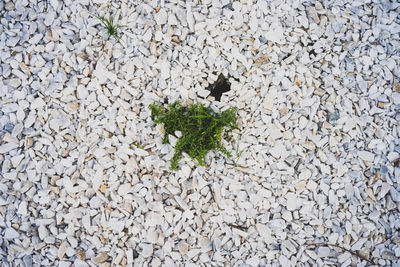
[
  {"x": 221, "y": 86},
  {"x": 229, "y": 6},
  {"x": 135, "y": 254}
]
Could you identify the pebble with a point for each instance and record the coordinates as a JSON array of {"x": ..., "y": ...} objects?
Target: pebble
[
  {"x": 124, "y": 189},
  {"x": 154, "y": 219},
  {"x": 275, "y": 132},
  {"x": 23, "y": 208},
  {"x": 147, "y": 36},
  {"x": 183, "y": 248},
  {"x": 10, "y": 234},
  {"x": 147, "y": 250},
  {"x": 102, "y": 257},
  {"x": 95, "y": 202},
  {"x": 15, "y": 83},
  {"x": 366, "y": 155},
  {"x": 324, "y": 251},
  {"x": 36, "y": 38},
  {"x": 395, "y": 194},
  {"x": 277, "y": 150},
  {"x": 291, "y": 201},
  {"x": 50, "y": 15},
  {"x": 165, "y": 70},
  {"x": 5, "y": 148},
  {"x": 396, "y": 98},
  {"x": 269, "y": 102},
  {"x": 62, "y": 250},
  {"x": 185, "y": 171},
  {"x": 161, "y": 17},
  {"x": 305, "y": 174},
  {"x": 152, "y": 236}
]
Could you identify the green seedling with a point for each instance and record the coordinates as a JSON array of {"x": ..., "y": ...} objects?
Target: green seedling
[
  {"x": 201, "y": 129},
  {"x": 238, "y": 154},
  {"x": 112, "y": 28},
  {"x": 137, "y": 145}
]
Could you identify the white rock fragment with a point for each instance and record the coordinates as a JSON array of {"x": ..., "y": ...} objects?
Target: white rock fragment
[
  {"x": 11, "y": 42},
  {"x": 165, "y": 70},
  {"x": 305, "y": 59},
  {"x": 36, "y": 39},
  {"x": 311, "y": 185},
  {"x": 10, "y": 234},
  {"x": 269, "y": 102},
  {"x": 124, "y": 189},
  {"x": 43, "y": 233},
  {"x": 3, "y": 202},
  {"x": 277, "y": 150},
  {"x": 5, "y": 148},
  {"x": 23, "y": 208},
  {"x": 86, "y": 221},
  {"x": 161, "y": 16},
  {"x": 104, "y": 101},
  {"x": 95, "y": 202},
  {"x": 183, "y": 248},
  {"x": 38, "y": 103},
  {"x": 275, "y": 132},
  {"x": 264, "y": 232},
  {"x": 291, "y": 201},
  {"x": 141, "y": 152},
  {"x": 102, "y": 257},
  {"x": 395, "y": 194},
  {"x": 158, "y": 36},
  {"x": 62, "y": 250},
  {"x": 366, "y": 155},
  {"x": 275, "y": 33},
  {"x": 147, "y": 250},
  {"x": 152, "y": 235},
  {"x": 185, "y": 171},
  {"x": 15, "y": 82},
  {"x": 17, "y": 160},
  {"x": 50, "y": 15},
  {"x": 147, "y": 36},
  {"x": 11, "y": 107},
  {"x": 154, "y": 219},
  {"x": 324, "y": 252}
]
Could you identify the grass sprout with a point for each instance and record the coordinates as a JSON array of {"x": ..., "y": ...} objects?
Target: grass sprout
[
  {"x": 201, "y": 129},
  {"x": 113, "y": 30},
  {"x": 137, "y": 145},
  {"x": 238, "y": 154}
]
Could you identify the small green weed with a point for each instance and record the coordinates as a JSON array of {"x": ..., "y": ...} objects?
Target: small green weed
[
  {"x": 137, "y": 145},
  {"x": 238, "y": 154},
  {"x": 112, "y": 29},
  {"x": 201, "y": 129}
]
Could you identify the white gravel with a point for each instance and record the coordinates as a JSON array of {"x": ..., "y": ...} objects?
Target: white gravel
[{"x": 317, "y": 87}]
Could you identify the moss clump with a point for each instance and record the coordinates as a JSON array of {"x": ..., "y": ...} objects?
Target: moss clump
[{"x": 201, "y": 129}]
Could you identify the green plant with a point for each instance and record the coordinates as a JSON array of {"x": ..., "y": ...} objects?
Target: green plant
[
  {"x": 238, "y": 154},
  {"x": 137, "y": 145},
  {"x": 201, "y": 129},
  {"x": 111, "y": 27}
]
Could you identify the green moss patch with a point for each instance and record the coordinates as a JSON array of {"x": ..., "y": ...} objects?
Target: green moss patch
[{"x": 201, "y": 129}]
